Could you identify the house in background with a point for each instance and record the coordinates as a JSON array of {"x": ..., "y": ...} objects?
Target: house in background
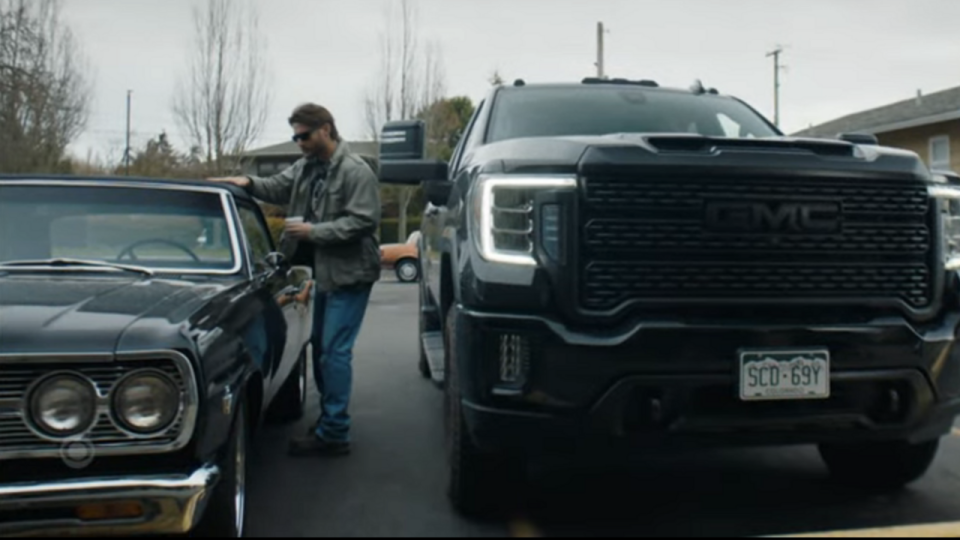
[
  {"x": 273, "y": 159},
  {"x": 927, "y": 124}
]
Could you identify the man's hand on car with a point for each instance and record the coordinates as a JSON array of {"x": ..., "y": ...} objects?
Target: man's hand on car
[{"x": 241, "y": 181}]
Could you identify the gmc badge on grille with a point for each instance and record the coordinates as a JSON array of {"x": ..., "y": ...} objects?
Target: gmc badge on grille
[{"x": 772, "y": 217}]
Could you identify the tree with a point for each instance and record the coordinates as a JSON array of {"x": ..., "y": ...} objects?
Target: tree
[
  {"x": 44, "y": 90},
  {"x": 410, "y": 79},
  {"x": 445, "y": 120},
  {"x": 159, "y": 159},
  {"x": 222, "y": 103}
]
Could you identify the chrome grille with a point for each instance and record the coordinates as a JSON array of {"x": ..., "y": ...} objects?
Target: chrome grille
[{"x": 107, "y": 437}]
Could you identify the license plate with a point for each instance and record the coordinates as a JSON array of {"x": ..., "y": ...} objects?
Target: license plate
[{"x": 784, "y": 375}]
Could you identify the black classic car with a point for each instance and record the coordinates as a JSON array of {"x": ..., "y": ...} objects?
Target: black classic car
[{"x": 147, "y": 328}]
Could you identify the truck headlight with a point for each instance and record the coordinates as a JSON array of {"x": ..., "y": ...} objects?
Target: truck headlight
[
  {"x": 503, "y": 215},
  {"x": 146, "y": 402},
  {"x": 948, "y": 203}
]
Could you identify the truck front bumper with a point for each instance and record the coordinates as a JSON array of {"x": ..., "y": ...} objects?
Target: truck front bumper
[
  {"x": 677, "y": 384},
  {"x": 107, "y": 506}
]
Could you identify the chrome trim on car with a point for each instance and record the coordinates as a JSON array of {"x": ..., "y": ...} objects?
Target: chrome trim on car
[
  {"x": 10, "y": 408},
  {"x": 56, "y": 358},
  {"x": 244, "y": 241},
  {"x": 189, "y": 407},
  {"x": 226, "y": 201},
  {"x": 172, "y": 504},
  {"x": 229, "y": 203}
]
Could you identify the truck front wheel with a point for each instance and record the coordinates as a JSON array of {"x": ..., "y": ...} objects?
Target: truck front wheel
[
  {"x": 480, "y": 483},
  {"x": 882, "y": 465}
]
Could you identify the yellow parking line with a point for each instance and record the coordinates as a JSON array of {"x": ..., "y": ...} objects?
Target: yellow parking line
[
  {"x": 524, "y": 528},
  {"x": 941, "y": 530}
]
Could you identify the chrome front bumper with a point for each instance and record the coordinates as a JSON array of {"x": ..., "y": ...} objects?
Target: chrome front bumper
[{"x": 171, "y": 504}]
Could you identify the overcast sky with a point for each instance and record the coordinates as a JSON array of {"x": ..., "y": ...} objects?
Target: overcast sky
[{"x": 842, "y": 56}]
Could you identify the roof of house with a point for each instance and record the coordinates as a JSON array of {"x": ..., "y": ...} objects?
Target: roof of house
[
  {"x": 290, "y": 149},
  {"x": 922, "y": 110}
]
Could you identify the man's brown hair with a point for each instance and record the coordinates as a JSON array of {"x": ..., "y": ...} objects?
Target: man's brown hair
[{"x": 315, "y": 117}]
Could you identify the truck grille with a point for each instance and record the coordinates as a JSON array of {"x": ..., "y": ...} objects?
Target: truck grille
[
  {"x": 662, "y": 239},
  {"x": 18, "y": 440}
]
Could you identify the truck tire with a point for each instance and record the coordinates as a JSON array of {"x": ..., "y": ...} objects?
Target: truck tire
[
  {"x": 882, "y": 465},
  {"x": 480, "y": 483},
  {"x": 226, "y": 513}
]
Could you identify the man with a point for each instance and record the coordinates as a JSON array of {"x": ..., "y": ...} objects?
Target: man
[{"x": 337, "y": 193}]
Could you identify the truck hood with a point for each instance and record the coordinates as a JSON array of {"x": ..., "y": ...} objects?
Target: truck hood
[
  {"x": 83, "y": 314},
  {"x": 580, "y": 154}
]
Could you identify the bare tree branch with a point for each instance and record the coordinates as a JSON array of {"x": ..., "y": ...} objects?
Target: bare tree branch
[
  {"x": 410, "y": 80},
  {"x": 222, "y": 103},
  {"x": 379, "y": 101},
  {"x": 44, "y": 90}
]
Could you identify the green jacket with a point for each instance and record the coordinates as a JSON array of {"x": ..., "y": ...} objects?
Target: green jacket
[{"x": 345, "y": 215}]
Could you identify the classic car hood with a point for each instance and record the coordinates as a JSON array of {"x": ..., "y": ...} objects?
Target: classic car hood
[{"x": 82, "y": 314}]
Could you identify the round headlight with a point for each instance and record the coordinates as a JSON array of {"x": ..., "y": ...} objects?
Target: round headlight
[
  {"x": 63, "y": 406},
  {"x": 147, "y": 402}
]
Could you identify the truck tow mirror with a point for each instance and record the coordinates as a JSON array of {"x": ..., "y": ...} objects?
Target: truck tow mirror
[
  {"x": 402, "y": 155},
  {"x": 413, "y": 172},
  {"x": 403, "y": 140}
]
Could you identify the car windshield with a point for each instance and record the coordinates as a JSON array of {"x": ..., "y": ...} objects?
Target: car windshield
[
  {"x": 604, "y": 110},
  {"x": 159, "y": 229}
]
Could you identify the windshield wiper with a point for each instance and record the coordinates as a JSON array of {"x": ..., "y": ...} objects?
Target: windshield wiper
[{"x": 61, "y": 262}]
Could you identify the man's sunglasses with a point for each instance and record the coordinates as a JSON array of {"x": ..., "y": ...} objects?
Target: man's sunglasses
[{"x": 302, "y": 136}]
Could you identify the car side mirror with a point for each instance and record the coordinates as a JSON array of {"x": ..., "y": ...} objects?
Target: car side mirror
[
  {"x": 438, "y": 192},
  {"x": 275, "y": 261},
  {"x": 402, "y": 155},
  {"x": 860, "y": 138}
]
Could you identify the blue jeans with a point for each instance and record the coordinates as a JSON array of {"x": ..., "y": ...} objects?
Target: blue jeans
[{"x": 337, "y": 320}]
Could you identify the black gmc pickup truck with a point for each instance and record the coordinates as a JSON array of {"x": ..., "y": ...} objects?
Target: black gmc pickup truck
[{"x": 614, "y": 264}]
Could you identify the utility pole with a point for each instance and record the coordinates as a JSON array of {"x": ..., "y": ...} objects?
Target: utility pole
[
  {"x": 776, "y": 83},
  {"x": 601, "y": 73},
  {"x": 126, "y": 156}
]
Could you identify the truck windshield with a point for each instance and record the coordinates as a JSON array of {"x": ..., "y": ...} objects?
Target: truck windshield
[
  {"x": 168, "y": 230},
  {"x": 596, "y": 110}
]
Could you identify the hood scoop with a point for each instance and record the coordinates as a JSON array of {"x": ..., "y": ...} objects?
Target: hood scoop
[{"x": 699, "y": 144}]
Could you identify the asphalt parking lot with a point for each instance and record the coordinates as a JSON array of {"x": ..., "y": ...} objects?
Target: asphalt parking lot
[{"x": 393, "y": 484}]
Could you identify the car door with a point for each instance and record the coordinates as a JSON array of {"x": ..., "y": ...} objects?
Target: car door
[
  {"x": 283, "y": 316},
  {"x": 437, "y": 227}
]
